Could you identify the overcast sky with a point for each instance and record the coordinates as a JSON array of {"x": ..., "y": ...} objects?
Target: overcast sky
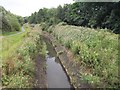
[{"x": 26, "y": 7}]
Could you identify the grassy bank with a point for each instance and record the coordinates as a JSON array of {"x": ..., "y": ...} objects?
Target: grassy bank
[
  {"x": 18, "y": 67},
  {"x": 96, "y": 50},
  {"x": 10, "y": 43},
  {"x": 9, "y": 33}
]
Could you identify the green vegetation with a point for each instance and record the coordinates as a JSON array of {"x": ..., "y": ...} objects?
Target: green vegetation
[
  {"x": 10, "y": 22},
  {"x": 92, "y": 14},
  {"x": 18, "y": 67},
  {"x": 93, "y": 40},
  {"x": 9, "y": 33},
  {"x": 45, "y": 16},
  {"x": 96, "y": 49},
  {"x": 20, "y": 20},
  {"x": 18, "y": 51},
  {"x": 10, "y": 43}
]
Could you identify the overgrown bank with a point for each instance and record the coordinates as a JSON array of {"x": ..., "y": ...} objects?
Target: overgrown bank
[
  {"x": 18, "y": 70},
  {"x": 95, "y": 53}
]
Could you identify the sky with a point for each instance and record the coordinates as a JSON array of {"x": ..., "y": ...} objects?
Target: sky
[{"x": 26, "y": 7}]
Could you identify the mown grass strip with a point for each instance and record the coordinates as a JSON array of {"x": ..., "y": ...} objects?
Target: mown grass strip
[{"x": 11, "y": 43}]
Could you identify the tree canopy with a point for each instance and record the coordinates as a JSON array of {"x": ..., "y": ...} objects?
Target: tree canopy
[
  {"x": 10, "y": 22},
  {"x": 92, "y": 14}
]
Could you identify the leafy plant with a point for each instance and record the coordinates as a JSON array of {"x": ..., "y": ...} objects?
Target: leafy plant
[{"x": 96, "y": 49}]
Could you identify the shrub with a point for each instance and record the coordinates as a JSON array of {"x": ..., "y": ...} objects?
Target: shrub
[{"x": 9, "y": 21}]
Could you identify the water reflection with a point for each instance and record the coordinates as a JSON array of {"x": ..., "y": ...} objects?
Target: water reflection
[{"x": 56, "y": 76}]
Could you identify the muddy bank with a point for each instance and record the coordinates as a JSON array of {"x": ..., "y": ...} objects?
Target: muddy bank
[
  {"x": 40, "y": 72},
  {"x": 68, "y": 63},
  {"x": 40, "y": 78}
]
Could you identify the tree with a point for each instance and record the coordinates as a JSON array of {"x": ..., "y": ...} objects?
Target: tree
[{"x": 9, "y": 21}]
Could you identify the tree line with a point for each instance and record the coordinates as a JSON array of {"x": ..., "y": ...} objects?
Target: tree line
[
  {"x": 10, "y": 22},
  {"x": 92, "y": 14}
]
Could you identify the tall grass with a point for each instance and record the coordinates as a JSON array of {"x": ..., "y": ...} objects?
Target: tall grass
[
  {"x": 18, "y": 68},
  {"x": 96, "y": 49}
]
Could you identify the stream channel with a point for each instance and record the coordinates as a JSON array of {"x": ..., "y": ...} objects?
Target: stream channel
[{"x": 56, "y": 75}]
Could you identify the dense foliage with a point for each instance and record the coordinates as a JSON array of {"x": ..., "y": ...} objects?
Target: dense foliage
[
  {"x": 95, "y": 15},
  {"x": 20, "y": 20},
  {"x": 10, "y": 22},
  {"x": 96, "y": 50},
  {"x": 48, "y": 16}
]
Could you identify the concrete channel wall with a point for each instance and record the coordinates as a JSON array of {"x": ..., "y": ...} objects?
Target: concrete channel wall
[{"x": 68, "y": 65}]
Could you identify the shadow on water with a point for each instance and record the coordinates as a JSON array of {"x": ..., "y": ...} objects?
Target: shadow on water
[{"x": 56, "y": 76}]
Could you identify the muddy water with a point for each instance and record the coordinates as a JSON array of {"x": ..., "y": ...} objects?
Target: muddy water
[{"x": 56, "y": 76}]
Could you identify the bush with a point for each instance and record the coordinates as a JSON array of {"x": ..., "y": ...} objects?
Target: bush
[
  {"x": 9, "y": 21},
  {"x": 6, "y": 27},
  {"x": 44, "y": 26},
  {"x": 14, "y": 23}
]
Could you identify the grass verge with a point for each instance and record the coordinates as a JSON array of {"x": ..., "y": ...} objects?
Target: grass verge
[
  {"x": 10, "y": 43},
  {"x": 18, "y": 68}
]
